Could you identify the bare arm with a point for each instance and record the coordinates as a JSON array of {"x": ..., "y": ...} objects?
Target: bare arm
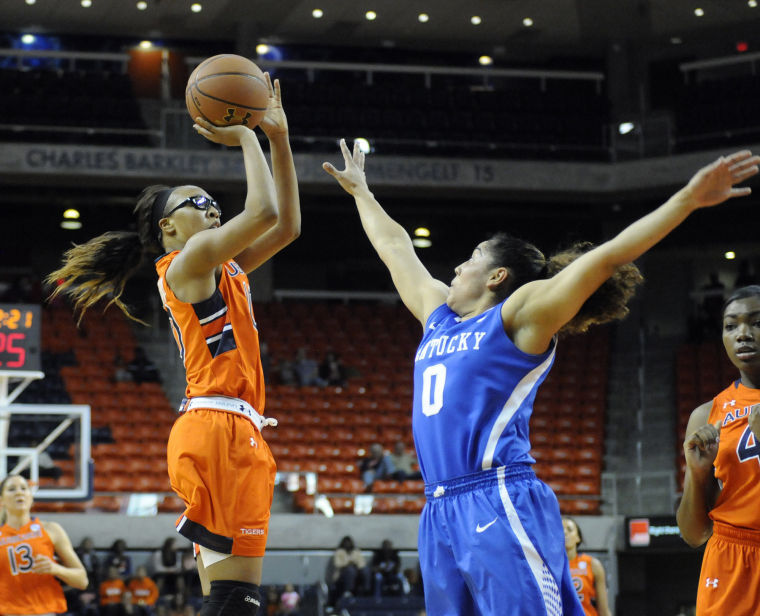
[
  {"x": 70, "y": 570},
  {"x": 208, "y": 249},
  {"x": 288, "y": 226},
  {"x": 539, "y": 309},
  {"x": 700, "y": 487},
  {"x": 600, "y": 584},
  {"x": 420, "y": 292}
]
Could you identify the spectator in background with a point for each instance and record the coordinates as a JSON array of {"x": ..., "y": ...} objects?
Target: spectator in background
[
  {"x": 266, "y": 360},
  {"x": 142, "y": 369},
  {"x": 306, "y": 369},
  {"x": 110, "y": 591},
  {"x": 286, "y": 372},
  {"x": 118, "y": 557},
  {"x": 91, "y": 562},
  {"x": 144, "y": 592},
  {"x": 289, "y": 600},
  {"x": 347, "y": 572},
  {"x": 413, "y": 581},
  {"x": 386, "y": 567},
  {"x": 273, "y": 602},
  {"x": 120, "y": 373},
  {"x": 167, "y": 568},
  {"x": 331, "y": 370},
  {"x": 377, "y": 465},
  {"x": 405, "y": 464}
]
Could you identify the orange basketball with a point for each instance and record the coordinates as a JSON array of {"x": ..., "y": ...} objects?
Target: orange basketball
[{"x": 227, "y": 90}]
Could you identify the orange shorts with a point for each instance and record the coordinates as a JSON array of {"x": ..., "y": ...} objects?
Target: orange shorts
[
  {"x": 730, "y": 579},
  {"x": 221, "y": 466}
]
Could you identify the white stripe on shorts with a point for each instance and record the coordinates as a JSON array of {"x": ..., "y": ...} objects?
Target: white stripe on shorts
[{"x": 544, "y": 580}]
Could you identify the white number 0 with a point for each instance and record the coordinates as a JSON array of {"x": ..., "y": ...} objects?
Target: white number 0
[{"x": 437, "y": 375}]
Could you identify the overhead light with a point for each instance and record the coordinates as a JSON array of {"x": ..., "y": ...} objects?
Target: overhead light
[
  {"x": 364, "y": 145},
  {"x": 699, "y": 12},
  {"x": 676, "y": 40},
  {"x": 421, "y": 242},
  {"x": 71, "y": 213},
  {"x": 423, "y": 18},
  {"x": 262, "y": 48},
  {"x": 527, "y": 22},
  {"x": 28, "y": 39},
  {"x": 30, "y": 2},
  {"x": 71, "y": 225},
  {"x": 485, "y": 60},
  {"x": 370, "y": 15},
  {"x": 730, "y": 255},
  {"x": 317, "y": 13},
  {"x": 142, "y": 5},
  {"x": 475, "y": 20},
  {"x": 86, "y": 3},
  {"x": 146, "y": 45},
  {"x": 752, "y": 3},
  {"x": 626, "y": 127},
  {"x": 196, "y": 7},
  {"x": 422, "y": 232}
]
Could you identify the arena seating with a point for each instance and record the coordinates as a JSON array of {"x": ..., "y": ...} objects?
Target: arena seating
[{"x": 323, "y": 430}]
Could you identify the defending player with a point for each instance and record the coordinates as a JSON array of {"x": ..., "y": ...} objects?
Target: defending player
[
  {"x": 491, "y": 539},
  {"x": 219, "y": 464},
  {"x": 589, "y": 578},
  {"x": 721, "y": 488},
  {"x": 28, "y": 550}
]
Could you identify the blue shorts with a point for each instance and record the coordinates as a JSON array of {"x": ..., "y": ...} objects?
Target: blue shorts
[{"x": 492, "y": 543}]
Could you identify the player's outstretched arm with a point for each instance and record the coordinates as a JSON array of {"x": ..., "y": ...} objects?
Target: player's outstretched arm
[
  {"x": 288, "y": 225},
  {"x": 700, "y": 487},
  {"x": 420, "y": 292},
  {"x": 207, "y": 249},
  {"x": 541, "y": 308}
]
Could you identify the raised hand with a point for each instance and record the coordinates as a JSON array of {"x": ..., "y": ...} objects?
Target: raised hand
[
  {"x": 701, "y": 448},
  {"x": 715, "y": 183},
  {"x": 352, "y": 178},
  {"x": 225, "y": 135},
  {"x": 274, "y": 123}
]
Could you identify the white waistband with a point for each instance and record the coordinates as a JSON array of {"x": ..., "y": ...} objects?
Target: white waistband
[{"x": 234, "y": 405}]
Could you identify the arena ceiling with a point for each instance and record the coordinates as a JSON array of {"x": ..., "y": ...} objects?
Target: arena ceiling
[{"x": 559, "y": 27}]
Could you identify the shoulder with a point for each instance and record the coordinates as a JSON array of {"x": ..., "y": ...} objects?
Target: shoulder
[
  {"x": 54, "y": 530},
  {"x": 596, "y": 566},
  {"x": 700, "y": 415}
]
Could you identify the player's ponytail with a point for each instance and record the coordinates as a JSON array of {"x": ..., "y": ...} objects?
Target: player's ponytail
[
  {"x": 100, "y": 268},
  {"x": 609, "y": 302}
]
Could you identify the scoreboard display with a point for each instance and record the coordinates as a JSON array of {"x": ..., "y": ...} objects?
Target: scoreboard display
[{"x": 19, "y": 337}]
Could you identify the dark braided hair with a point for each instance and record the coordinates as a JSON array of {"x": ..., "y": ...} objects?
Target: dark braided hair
[
  {"x": 101, "y": 267},
  {"x": 526, "y": 263}
]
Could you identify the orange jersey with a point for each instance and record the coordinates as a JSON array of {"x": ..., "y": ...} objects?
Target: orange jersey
[
  {"x": 21, "y": 591},
  {"x": 144, "y": 591},
  {"x": 110, "y": 591},
  {"x": 217, "y": 338},
  {"x": 737, "y": 465},
  {"x": 584, "y": 583}
]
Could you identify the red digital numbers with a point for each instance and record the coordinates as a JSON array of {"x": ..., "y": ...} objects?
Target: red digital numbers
[{"x": 8, "y": 346}]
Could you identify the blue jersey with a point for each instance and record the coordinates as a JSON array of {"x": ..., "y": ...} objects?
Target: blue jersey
[{"x": 473, "y": 395}]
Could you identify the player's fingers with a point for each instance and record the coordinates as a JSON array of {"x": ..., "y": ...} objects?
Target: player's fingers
[
  {"x": 269, "y": 83},
  {"x": 330, "y": 169},
  {"x": 740, "y": 192},
  {"x": 737, "y": 156},
  {"x": 345, "y": 150},
  {"x": 277, "y": 90}
]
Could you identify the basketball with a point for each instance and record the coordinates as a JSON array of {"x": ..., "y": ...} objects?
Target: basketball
[{"x": 227, "y": 90}]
